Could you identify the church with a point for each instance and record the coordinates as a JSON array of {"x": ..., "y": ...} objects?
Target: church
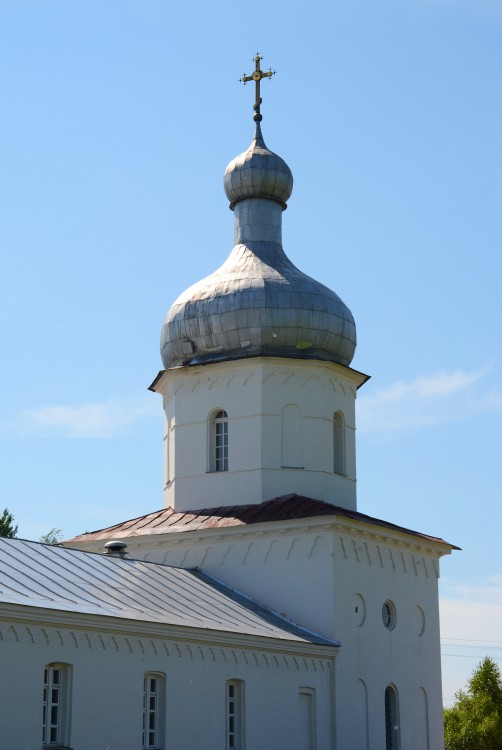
[{"x": 258, "y": 608}]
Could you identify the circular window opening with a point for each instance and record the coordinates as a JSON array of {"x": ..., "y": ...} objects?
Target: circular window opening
[{"x": 389, "y": 614}]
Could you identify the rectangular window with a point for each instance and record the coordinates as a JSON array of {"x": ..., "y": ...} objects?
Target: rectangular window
[
  {"x": 153, "y": 711},
  {"x": 221, "y": 445},
  {"x": 55, "y": 705},
  {"x": 235, "y": 715}
]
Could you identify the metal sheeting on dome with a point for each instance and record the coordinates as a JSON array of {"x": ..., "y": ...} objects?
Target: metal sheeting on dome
[
  {"x": 257, "y": 303},
  {"x": 258, "y": 173}
]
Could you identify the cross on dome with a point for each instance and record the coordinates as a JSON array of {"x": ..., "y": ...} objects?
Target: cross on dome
[{"x": 257, "y": 76}]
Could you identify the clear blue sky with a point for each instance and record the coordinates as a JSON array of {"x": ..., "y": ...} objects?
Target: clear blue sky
[{"x": 118, "y": 119}]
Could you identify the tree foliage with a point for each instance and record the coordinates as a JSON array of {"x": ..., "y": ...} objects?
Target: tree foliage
[
  {"x": 474, "y": 722},
  {"x": 7, "y": 528},
  {"x": 52, "y": 537}
]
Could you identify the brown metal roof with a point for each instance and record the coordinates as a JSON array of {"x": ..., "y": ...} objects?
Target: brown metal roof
[{"x": 286, "y": 508}]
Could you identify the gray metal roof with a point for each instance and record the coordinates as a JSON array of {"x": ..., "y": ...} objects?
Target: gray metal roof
[{"x": 56, "y": 578}]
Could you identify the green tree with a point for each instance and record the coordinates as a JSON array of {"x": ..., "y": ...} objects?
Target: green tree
[
  {"x": 53, "y": 537},
  {"x": 7, "y": 528},
  {"x": 474, "y": 722}
]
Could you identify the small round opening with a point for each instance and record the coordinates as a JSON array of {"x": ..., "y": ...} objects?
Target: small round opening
[{"x": 389, "y": 614}]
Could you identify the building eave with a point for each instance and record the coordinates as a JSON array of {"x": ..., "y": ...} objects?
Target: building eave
[
  {"x": 28, "y": 615},
  {"x": 358, "y": 378},
  {"x": 214, "y": 523}
]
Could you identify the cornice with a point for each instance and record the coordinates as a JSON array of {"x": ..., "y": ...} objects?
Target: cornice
[
  {"x": 338, "y": 524},
  {"x": 356, "y": 377},
  {"x": 198, "y": 636}
]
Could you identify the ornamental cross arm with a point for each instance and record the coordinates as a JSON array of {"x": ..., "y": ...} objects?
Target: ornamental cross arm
[{"x": 257, "y": 76}]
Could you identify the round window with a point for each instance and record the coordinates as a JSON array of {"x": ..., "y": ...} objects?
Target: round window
[{"x": 389, "y": 614}]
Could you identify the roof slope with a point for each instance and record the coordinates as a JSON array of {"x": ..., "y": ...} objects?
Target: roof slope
[
  {"x": 56, "y": 578},
  {"x": 289, "y": 507}
]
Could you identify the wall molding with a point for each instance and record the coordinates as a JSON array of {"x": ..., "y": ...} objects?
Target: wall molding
[{"x": 54, "y": 640}]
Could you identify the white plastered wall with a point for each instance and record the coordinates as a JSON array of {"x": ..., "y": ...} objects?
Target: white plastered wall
[
  {"x": 107, "y": 688},
  {"x": 317, "y": 572},
  {"x": 256, "y": 394}
]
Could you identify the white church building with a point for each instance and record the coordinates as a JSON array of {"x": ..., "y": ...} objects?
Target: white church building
[{"x": 259, "y": 609}]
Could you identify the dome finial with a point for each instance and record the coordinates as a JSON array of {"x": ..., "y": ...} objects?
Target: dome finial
[{"x": 256, "y": 76}]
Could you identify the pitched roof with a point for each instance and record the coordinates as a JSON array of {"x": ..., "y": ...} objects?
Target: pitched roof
[
  {"x": 286, "y": 508},
  {"x": 57, "y": 578}
]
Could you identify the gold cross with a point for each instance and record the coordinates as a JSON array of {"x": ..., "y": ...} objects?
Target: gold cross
[{"x": 256, "y": 76}]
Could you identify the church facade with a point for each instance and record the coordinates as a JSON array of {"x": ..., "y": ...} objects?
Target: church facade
[
  {"x": 260, "y": 472},
  {"x": 98, "y": 651},
  {"x": 260, "y": 495}
]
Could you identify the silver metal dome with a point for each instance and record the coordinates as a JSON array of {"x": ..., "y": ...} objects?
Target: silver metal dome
[
  {"x": 257, "y": 303},
  {"x": 258, "y": 173}
]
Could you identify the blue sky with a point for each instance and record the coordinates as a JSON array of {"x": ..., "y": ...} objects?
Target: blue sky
[{"x": 118, "y": 121}]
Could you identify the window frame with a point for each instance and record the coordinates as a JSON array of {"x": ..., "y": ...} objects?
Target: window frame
[
  {"x": 234, "y": 715},
  {"x": 158, "y": 711},
  {"x": 218, "y": 441},
  {"x": 389, "y": 614},
  {"x": 56, "y": 731}
]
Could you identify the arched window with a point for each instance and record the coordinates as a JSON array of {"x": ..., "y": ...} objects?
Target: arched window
[
  {"x": 153, "y": 710},
  {"x": 56, "y": 702},
  {"x": 218, "y": 440},
  {"x": 339, "y": 443},
  {"x": 235, "y": 715},
  {"x": 391, "y": 719}
]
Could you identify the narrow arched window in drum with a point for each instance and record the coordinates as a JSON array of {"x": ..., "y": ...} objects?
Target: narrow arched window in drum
[{"x": 218, "y": 440}]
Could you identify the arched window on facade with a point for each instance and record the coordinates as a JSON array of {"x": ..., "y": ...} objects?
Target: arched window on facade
[
  {"x": 339, "y": 443},
  {"x": 56, "y": 703},
  {"x": 391, "y": 719},
  {"x": 153, "y": 735},
  {"x": 218, "y": 440}
]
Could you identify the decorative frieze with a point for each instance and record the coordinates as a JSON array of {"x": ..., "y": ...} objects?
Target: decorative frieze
[{"x": 363, "y": 549}]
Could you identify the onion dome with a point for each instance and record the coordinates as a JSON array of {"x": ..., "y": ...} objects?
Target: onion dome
[
  {"x": 258, "y": 173},
  {"x": 257, "y": 303}
]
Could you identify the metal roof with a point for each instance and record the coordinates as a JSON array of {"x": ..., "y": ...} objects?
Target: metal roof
[
  {"x": 286, "y": 508},
  {"x": 258, "y": 303},
  {"x": 61, "y": 579},
  {"x": 258, "y": 173}
]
